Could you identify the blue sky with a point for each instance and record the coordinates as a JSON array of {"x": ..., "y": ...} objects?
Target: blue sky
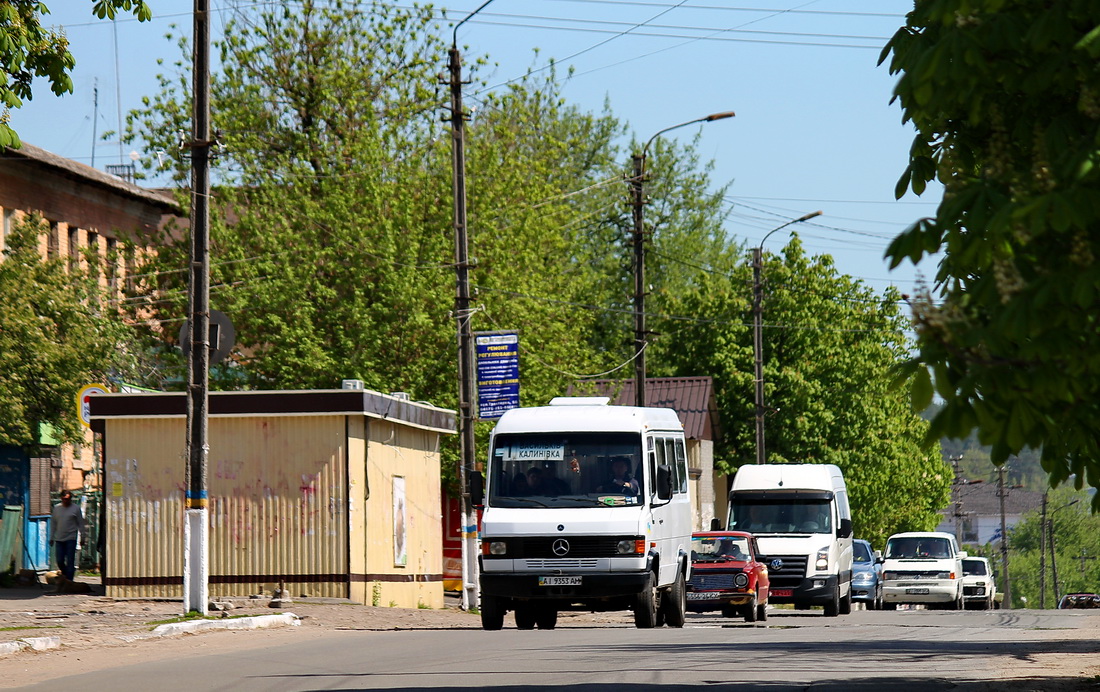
[{"x": 814, "y": 129}]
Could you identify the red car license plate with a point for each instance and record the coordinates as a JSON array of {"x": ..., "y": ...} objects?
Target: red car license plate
[{"x": 782, "y": 593}]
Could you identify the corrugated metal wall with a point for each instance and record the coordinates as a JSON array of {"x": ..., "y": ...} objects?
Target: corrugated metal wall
[{"x": 278, "y": 506}]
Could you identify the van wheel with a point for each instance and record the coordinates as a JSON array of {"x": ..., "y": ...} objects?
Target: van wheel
[
  {"x": 674, "y": 603},
  {"x": 492, "y": 612},
  {"x": 645, "y": 605},
  {"x": 832, "y": 608},
  {"x": 846, "y": 604},
  {"x": 546, "y": 616},
  {"x": 750, "y": 610},
  {"x": 525, "y": 616}
]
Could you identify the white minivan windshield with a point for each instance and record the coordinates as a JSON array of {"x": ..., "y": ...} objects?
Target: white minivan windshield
[{"x": 566, "y": 469}]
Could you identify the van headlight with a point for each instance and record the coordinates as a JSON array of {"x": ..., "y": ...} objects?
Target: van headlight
[
  {"x": 498, "y": 548},
  {"x": 631, "y": 546},
  {"x": 822, "y": 562}
]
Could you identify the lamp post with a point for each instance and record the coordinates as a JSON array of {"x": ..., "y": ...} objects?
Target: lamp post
[
  {"x": 637, "y": 200},
  {"x": 467, "y": 456},
  {"x": 757, "y": 329},
  {"x": 1002, "y": 492}
]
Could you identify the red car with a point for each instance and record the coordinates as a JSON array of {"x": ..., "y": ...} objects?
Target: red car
[{"x": 727, "y": 576}]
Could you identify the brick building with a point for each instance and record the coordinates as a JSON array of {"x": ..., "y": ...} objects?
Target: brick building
[{"x": 83, "y": 208}]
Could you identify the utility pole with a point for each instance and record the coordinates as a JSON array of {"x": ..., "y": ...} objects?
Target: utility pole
[
  {"x": 467, "y": 442},
  {"x": 1043, "y": 554},
  {"x": 637, "y": 193},
  {"x": 1004, "y": 538},
  {"x": 638, "y": 202},
  {"x": 758, "y": 331},
  {"x": 1053, "y": 559},
  {"x": 196, "y": 533}
]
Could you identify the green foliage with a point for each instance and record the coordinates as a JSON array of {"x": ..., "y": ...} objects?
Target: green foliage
[
  {"x": 1006, "y": 101},
  {"x": 57, "y": 333},
  {"x": 28, "y": 50},
  {"x": 829, "y": 345},
  {"x": 1076, "y": 551}
]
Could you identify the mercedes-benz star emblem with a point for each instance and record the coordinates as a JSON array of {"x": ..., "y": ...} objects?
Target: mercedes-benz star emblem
[
  {"x": 777, "y": 564},
  {"x": 561, "y": 547}
]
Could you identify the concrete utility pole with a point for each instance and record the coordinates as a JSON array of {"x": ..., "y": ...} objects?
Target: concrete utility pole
[
  {"x": 467, "y": 451},
  {"x": 758, "y": 331},
  {"x": 1053, "y": 559},
  {"x": 1001, "y": 492},
  {"x": 196, "y": 532},
  {"x": 638, "y": 202}
]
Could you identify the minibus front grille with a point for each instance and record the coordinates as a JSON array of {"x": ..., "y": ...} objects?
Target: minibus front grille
[{"x": 543, "y": 547}]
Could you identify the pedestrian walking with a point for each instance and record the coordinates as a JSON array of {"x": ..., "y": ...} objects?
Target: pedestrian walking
[{"x": 67, "y": 526}]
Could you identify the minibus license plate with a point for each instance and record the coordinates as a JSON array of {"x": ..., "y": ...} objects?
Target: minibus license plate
[
  {"x": 782, "y": 593},
  {"x": 559, "y": 581},
  {"x": 917, "y": 591}
]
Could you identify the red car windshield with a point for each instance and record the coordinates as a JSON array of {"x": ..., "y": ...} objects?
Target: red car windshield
[{"x": 719, "y": 548}]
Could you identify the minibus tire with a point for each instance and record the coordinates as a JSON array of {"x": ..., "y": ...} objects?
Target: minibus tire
[
  {"x": 492, "y": 612},
  {"x": 526, "y": 616},
  {"x": 674, "y": 603},
  {"x": 546, "y": 616},
  {"x": 645, "y": 605}
]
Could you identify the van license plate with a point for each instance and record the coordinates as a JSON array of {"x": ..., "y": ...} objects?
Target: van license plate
[
  {"x": 917, "y": 591},
  {"x": 559, "y": 581},
  {"x": 782, "y": 593}
]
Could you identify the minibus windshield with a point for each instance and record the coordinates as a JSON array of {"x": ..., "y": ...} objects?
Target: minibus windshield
[{"x": 566, "y": 469}]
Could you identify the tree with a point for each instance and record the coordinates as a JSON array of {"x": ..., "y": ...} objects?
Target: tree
[
  {"x": 58, "y": 332},
  {"x": 28, "y": 50},
  {"x": 829, "y": 346},
  {"x": 1005, "y": 97}
]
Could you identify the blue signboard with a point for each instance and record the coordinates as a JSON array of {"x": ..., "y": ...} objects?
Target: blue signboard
[{"x": 497, "y": 355}]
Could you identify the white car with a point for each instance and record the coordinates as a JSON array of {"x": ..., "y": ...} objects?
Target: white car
[
  {"x": 979, "y": 589},
  {"x": 923, "y": 567}
]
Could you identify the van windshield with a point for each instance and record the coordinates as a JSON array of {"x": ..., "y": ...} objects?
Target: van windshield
[
  {"x": 918, "y": 548},
  {"x": 566, "y": 469},
  {"x": 782, "y": 516}
]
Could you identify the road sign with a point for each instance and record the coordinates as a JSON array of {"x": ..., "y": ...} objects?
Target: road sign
[
  {"x": 222, "y": 336},
  {"x": 83, "y": 399}
]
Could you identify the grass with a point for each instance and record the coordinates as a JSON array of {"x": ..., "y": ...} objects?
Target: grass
[
  {"x": 195, "y": 616},
  {"x": 32, "y": 627}
]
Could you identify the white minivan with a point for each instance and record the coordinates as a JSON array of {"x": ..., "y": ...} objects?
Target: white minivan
[
  {"x": 586, "y": 506},
  {"x": 923, "y": 567},
  {"x": 801, "y": 518}
]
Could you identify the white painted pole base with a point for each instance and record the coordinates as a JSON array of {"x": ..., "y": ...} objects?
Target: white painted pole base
[{"x": 196, "y": 558}]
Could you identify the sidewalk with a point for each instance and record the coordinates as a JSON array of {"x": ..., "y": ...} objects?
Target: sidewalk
[{"x": 38, "y": 618}]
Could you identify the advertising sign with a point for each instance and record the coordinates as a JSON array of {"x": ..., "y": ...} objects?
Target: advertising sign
[
  {"x": 83, "y": 397},
  {"x": 497, "y": 355}
]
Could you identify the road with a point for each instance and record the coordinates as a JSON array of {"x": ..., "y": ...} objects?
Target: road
[{"x": 910, "y": 650}]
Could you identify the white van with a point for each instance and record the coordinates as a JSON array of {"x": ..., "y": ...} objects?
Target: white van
[
  {"x": 800, "y": 516},
  {"x": 923, "y": 567},
  {"x": 586, "y": 507}
]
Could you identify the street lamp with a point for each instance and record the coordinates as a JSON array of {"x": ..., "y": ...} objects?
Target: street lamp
[
  {"x": 637, "y": 190},
  {"x": 757, "y": 336}
]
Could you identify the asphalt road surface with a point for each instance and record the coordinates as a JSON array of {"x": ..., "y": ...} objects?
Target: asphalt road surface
[{"x": 970, "y": 651}]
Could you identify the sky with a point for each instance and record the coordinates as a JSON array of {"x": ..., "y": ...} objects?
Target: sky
[{"x": 814, "y": 128}]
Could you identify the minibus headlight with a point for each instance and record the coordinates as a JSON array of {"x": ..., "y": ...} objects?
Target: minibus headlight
[
  {"x": 498, "y": 548},
  {"x": 822, "y": 562},
  {"x": 631, "y": 546}
]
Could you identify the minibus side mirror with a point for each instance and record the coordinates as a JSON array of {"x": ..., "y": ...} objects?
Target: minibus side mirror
[
  {"x": 476, "y": 485},
  {"x": 664, "y": 482}
]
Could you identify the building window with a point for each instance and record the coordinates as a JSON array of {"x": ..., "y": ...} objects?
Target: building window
[
  {"x": 74, "y": 248},
  {"x": 53, "y": 243}
]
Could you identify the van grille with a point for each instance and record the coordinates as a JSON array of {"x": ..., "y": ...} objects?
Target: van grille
[
  {"x": 790, "y": 574},
  {"x": 562, "y": 564}
]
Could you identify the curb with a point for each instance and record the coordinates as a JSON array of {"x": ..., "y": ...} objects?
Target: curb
[
  {"x": 245, "y": 623},
  {"x": 34, "y": 643}
]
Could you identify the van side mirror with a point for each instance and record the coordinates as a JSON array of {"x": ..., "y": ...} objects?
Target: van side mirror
[
  {"x": 475, "y": 483},
  {"x": 845, "y": 529},
  {"x": 664, "y": 482},
  {"x": 878, "y": 557},
  {"x": 963, "y": 553}
]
